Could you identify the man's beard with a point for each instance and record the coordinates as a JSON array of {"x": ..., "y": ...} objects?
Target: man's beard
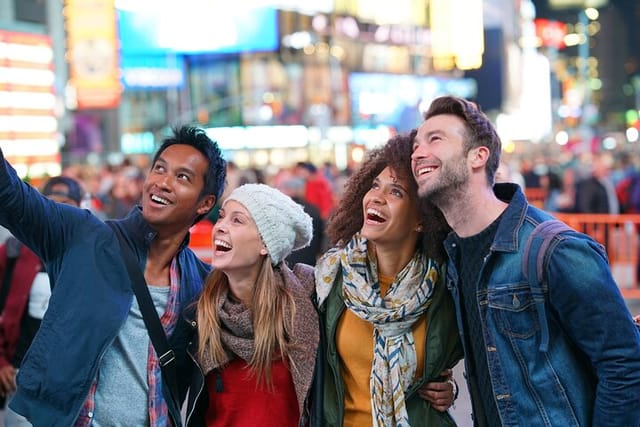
[{"x": 449, "y": 186}]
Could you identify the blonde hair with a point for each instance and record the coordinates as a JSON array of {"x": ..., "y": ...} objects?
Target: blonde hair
[{"x": 273, "y": 310}]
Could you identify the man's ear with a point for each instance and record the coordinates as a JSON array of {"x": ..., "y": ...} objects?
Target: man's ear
[
  {"x": 479, "y": 156},
  {"x": 206, "y": 204}
]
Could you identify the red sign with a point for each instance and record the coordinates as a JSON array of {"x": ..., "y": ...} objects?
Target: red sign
[{"x": 551, "y": 33}]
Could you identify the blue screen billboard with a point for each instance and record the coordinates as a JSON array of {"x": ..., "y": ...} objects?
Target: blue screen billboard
[
  {"x": 148, "y": 27},
  {"x": 397, "y": 100}
]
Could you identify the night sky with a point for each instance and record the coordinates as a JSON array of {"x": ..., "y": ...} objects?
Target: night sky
[{"x": 629, "y": 10}]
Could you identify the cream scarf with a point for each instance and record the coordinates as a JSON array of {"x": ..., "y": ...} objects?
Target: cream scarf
[{"x": 409, "y": 296}]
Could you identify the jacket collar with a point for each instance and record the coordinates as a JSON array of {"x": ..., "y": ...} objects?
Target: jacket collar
[
  {"x": 506, "y": 239},
  {"x": 140, "y": 231}
]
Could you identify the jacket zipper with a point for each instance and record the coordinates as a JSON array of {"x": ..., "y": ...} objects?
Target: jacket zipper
[{"x": 197, "y": 396}]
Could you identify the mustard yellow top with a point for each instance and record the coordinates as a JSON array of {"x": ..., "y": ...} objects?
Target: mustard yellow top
[{"x": 354, "y": 340}]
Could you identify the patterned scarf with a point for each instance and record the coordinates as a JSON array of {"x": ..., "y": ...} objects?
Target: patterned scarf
[{"x": 408, "y": 298}]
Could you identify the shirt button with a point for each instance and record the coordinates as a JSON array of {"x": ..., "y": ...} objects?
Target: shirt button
[{"x": 90, "y": 414}]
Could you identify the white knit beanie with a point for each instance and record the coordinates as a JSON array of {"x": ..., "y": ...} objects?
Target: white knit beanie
[{"x": 282, "y": 223}]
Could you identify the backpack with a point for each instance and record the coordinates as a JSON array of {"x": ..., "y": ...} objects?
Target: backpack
[{"x": 533, "y": 257}]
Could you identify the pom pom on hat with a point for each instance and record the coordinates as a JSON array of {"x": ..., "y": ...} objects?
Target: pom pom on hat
[{"x": 282, "y": 223}]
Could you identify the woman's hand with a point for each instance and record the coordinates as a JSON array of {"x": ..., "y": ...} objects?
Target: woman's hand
[
  {"x": 7, "y": 380},
  {"x": 440, "y": 394}
]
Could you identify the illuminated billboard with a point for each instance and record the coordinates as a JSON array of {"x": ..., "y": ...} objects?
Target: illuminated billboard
[
  {"x": 92, "y": 45},
  {"x": 398, "y": 100},
  {"x": 28, "y": 122},
  {"x": 155, "y": 27}
]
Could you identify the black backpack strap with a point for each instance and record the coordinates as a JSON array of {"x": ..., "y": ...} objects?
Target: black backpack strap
[
  {"x": 532, "y": 268},
  {"x": 166, "y": 356}
]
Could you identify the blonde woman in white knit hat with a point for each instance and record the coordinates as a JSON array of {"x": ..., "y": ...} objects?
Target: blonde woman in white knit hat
[{"x": 257, "y": 326}]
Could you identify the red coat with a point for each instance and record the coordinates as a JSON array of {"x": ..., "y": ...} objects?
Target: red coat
[
  {"x": 318, "y": 192},
  {"x": 25, "y": 270}
]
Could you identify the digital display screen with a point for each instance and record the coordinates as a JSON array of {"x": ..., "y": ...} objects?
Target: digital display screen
[
  {"x": 398, "y": 100},
  {"x": 150, "y": 27}
]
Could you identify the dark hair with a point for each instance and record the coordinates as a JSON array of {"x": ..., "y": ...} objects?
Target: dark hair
[
  {"x": 310, "y": 167},
  {"x": 480, "y": 132},
  {"x": 347, "y": 219},
  {"x": 74, "y": 190},
  {"x": 214, "y": 178}
]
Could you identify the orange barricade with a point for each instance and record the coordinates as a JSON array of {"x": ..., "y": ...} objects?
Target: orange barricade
[
  {"x": 536, "y": 196},
  {"x": 200, "y": 240},
  {"x": 619, "y": 235}
]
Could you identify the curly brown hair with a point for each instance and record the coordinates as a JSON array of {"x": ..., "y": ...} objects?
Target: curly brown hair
[{"x": 347, "y": 219}]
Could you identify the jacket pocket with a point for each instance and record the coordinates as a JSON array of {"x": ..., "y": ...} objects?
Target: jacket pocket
[{"x": 513, "y": 310}]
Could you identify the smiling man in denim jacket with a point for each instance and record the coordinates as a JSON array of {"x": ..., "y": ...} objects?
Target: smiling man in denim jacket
[{"x": 578, "y": 363}]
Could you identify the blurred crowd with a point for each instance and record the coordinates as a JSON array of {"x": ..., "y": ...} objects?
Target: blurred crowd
[
  {"x": 604, "y": 182},
  {"x": 111, "y": 191}
]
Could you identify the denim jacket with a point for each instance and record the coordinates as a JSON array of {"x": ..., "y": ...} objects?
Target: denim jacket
[{"x": 590, "y": 373}]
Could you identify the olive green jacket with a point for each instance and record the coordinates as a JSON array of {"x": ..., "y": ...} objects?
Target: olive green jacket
[{"x": 443, "y": 350}]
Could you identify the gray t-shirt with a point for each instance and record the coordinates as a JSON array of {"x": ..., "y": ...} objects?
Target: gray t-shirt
[{"x": 122, "y": 393}]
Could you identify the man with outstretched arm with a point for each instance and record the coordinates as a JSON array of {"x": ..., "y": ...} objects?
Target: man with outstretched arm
[{"x": 91, "y": 361}]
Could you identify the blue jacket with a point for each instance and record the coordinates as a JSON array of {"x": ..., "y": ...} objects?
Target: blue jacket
[
  {"x": 590, "y": 374},
  {"x": 91, "y": 300}
]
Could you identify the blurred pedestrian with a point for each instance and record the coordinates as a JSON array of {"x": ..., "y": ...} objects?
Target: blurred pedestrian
[
  {"x": 318, "y": 190},
  {"x": 24, "y": 296},
  {"x": 388, "y": 323},
  {"x": 577, "y": 338},
  {"x": 596, "y": 193},
  {"x": 553, "y": 191},
  {"x": 92, "y": 362},
  {"x": 125, "y": 192},
  {"x": 257, "y": 326}
]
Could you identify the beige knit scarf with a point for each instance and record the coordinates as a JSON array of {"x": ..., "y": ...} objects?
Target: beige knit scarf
[{"x": 238, "y": 338}]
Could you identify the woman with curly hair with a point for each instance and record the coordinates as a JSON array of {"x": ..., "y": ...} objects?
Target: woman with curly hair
[{"x": 387, "y": 321}]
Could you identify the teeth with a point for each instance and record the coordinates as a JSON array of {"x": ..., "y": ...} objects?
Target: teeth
[
  {"x": 222, "y": 243},
  {"x": 426, "y": 170},
  {"x": 375, "y": 212},
  {"x": 159, "y": 199}
]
